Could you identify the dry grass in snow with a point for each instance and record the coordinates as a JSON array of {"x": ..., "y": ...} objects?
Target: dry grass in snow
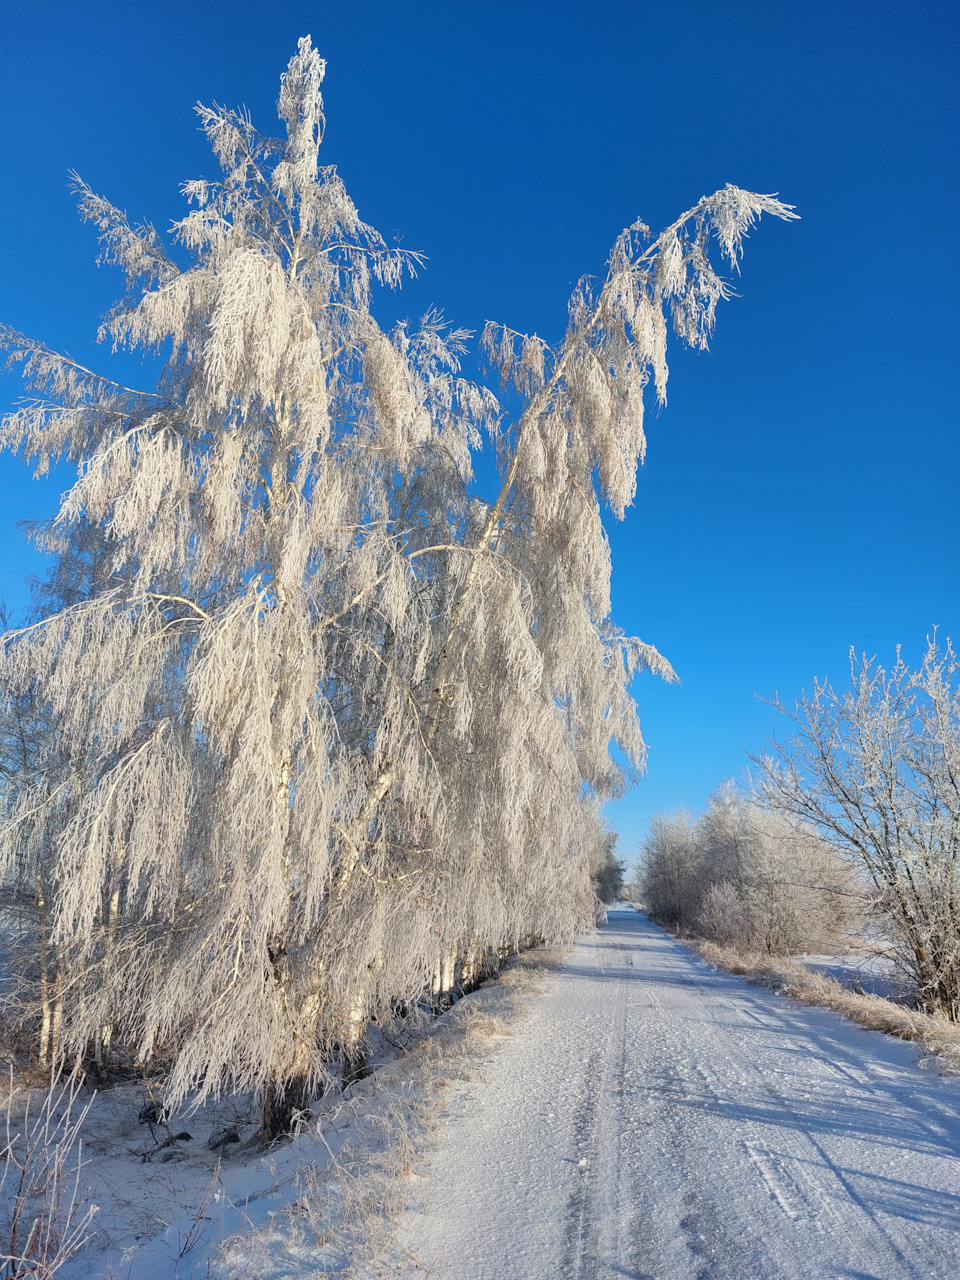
[
  {"x": 940, "y": 1037},
  {"x": 325, "y": 1203}
]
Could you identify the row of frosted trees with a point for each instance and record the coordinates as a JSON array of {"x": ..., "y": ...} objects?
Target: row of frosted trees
[
  {"x": 749, "y": 877},
  {"x": 855, "y": 822},
  {"x": 304, "y": 728}
]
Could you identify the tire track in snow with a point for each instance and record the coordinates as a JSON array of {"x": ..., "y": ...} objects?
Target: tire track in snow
[
  {"x": 594, "y": 1210},
  {"x": 581, "y": 1243},
  {"x": 656, "y": 1120},
  {"x": 785, "y": 1184},
  {"x": 687, "y": 1233},
  {"x": 788, "y": 1175},
  {"x": 896, "y": 1261}
]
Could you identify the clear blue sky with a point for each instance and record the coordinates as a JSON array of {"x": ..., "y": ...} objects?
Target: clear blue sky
[{"x": 800, "y": 491}]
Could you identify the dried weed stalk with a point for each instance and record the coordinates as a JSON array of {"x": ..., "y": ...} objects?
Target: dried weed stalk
[{"x": 45, "y": 1219}]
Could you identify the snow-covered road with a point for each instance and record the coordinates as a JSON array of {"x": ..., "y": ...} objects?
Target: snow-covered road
[{"x": 653, "y": 1117}]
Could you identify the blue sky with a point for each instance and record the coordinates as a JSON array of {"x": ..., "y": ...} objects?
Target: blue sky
[{"x": 799, "y": 492}]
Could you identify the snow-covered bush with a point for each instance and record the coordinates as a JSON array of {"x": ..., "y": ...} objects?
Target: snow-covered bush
[
  {"x": 722, "y": 917},
  {"x": 669, "y": 870},
  {"x": 744, "y": 876}
]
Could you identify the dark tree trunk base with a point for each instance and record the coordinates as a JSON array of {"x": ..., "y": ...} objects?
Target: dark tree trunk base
[
  {"x": 283, "y": 1106},
  {"x": 353, "y": 1067}
]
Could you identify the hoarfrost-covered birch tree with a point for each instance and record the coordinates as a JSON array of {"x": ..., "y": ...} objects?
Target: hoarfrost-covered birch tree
[{"x": 331, "y": 729}]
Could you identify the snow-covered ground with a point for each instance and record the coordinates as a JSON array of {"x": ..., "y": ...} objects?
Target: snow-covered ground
[
  {"x": 650, "y": 1118},
  {"x": 656, "y": 1118},
  {"x": 871, "y": 970},
  {"x": 210, "y": 1204}
]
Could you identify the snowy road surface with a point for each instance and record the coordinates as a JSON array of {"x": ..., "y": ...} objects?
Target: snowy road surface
[{"x": 655, "y": 1118}]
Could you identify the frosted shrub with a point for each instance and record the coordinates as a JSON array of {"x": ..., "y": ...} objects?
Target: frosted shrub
[
  {"x": 722, "y": 918},
  {"x": 669, "y": 870},
  {"x": 796, "y": 891},
  {"x": 744, "y": 876},
  {"x": 323, "y": 728}
]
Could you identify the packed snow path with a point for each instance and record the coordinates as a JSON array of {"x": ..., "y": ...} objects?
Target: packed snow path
[{"x": 653, "y": 1117}]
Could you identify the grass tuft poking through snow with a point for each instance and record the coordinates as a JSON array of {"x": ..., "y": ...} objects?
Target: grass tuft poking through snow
[{"x": 46, "y": 1217}]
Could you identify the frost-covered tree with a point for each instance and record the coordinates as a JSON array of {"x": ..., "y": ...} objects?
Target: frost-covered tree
[
  {"x": 876, "y": 768},
  {"x": 668, "y": 869},
  {"x": 331, "y": 728},
  {"x": 747, "y": 876},
  {"x": 607, "y": 870}
]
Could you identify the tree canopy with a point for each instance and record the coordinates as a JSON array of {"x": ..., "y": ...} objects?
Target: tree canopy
[{"x": 317, "y": 721}]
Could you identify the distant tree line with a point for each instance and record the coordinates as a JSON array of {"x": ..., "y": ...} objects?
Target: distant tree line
[
  {"x": 855, "y": 815},
  {"x": 746, "y": 877}
]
